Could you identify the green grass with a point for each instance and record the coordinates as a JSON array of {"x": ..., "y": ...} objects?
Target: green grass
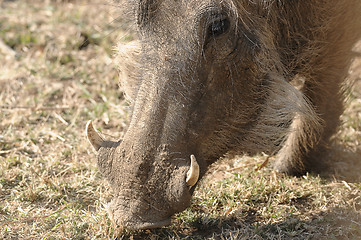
[{"x": 56, "y": 74}]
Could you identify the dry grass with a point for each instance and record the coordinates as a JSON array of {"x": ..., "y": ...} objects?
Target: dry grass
[{"x": 56, "y": 73}]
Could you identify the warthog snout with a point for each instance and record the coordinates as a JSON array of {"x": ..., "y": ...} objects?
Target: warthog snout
[{"x": 137, "y": 203}]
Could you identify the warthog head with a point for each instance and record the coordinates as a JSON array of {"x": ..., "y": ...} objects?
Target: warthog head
[{"x": 206, "y": 80}]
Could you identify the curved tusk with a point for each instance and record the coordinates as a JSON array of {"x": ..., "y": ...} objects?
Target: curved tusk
[
  {"x": 93, "y": 137},
  {"x": 193, "y": 172}
]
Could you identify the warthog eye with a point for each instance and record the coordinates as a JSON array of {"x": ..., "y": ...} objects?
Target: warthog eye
[{"x": 218, "y": 27}]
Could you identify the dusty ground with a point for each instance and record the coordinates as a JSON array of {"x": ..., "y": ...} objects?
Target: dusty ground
[{"x": 56, "y": 73}]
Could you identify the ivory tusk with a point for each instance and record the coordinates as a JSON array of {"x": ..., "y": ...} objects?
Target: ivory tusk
[
  {"x": 93, "y": 137},
  {"x": 193, "y": 172}
]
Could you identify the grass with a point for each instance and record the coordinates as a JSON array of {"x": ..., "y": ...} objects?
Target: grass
[{"x": 56, "y": 73}]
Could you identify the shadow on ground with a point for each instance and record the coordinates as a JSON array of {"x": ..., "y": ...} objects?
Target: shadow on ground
[
  {"x": 338, "y": 223},
  {"x": 343, "y": 164}
]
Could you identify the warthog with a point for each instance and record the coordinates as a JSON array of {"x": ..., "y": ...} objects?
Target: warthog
[{"x": 208, "y": 77}]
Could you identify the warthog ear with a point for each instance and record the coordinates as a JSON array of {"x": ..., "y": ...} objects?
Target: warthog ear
[{"x": 93, "y": 137}]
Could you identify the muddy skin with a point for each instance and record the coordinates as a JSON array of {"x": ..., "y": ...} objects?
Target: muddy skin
[{"x": 210, "y": 77}]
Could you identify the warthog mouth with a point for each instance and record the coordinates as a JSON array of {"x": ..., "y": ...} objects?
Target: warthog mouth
[
  {"x": 123, "y": 219},
  {"x": 150, "y": 225},
  {"x": 138, "y": 225}
]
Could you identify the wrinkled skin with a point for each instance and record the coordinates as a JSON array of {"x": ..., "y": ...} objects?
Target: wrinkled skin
[{"x": 211, "y": 77}]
